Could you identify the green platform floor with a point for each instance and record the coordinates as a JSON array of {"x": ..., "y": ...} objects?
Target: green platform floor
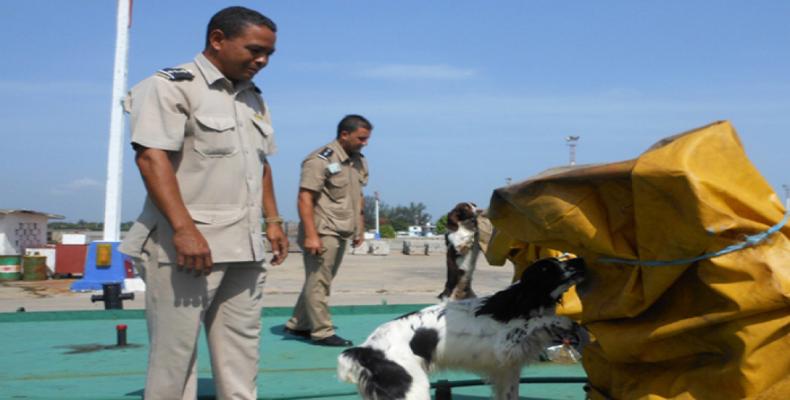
[{"x": 64, "y": 355}]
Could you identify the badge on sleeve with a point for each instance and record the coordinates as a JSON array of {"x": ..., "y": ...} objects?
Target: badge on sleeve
[
  {"x": 333, "y": 168},
  {"x": 326, "y": 153},
  {"x": 176, "y": 74}
]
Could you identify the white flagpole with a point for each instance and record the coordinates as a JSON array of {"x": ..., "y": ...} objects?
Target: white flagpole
[
  {"x": 378, "y": 232},
  {"x": 112, "y": 201}
]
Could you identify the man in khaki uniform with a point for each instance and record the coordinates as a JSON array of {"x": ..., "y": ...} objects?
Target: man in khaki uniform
[
  {"x": 202, "y": 134},
  {"x": 330, "y": 208}
]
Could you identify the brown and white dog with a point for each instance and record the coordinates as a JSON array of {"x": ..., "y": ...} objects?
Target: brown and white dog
[{"x": 463, "y": 248}]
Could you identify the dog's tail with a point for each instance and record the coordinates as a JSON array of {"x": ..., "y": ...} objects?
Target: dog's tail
[{"x": 377, "y": 378}]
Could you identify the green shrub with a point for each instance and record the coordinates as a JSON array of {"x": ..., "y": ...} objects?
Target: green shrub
[{"x": 387, "y": 231}]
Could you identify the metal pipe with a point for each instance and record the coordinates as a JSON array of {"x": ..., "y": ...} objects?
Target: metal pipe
[{"x": 536, "y": 380}]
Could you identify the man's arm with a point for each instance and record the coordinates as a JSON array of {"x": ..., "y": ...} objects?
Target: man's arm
[
  {"x": 191, "y": 247},
  {"x": 305, "y": 203},
  {"x": 274, "y": 230},
  {"x": 360, "y": 238}
]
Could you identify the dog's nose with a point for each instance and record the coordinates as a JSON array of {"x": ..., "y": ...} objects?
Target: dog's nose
[{"x": 576, "y": 265}]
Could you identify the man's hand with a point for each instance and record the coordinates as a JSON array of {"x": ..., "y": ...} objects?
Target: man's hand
[
  {"x": 279, "y": 242},
  {"x": 193, "y": 251},
  {"x": 313, "y": 245},
  {"x": 358, "y": 241}
]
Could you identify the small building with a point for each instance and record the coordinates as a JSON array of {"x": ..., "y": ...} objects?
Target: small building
[
  {"x": 21, "y": 229},
  {"x": 429, "y": 230}
]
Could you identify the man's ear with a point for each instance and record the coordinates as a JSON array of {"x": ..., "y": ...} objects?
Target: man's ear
[{"x": 215, "y": 39}]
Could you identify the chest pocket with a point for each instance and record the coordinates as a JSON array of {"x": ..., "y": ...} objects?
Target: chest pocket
[
  {"x": 215, "y": 136},
  {"x": 264, "y": 134},
  {"x": 337, "y": 185}
]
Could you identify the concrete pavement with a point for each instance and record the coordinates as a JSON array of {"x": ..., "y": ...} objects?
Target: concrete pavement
[{"x": 363, "y": 279}]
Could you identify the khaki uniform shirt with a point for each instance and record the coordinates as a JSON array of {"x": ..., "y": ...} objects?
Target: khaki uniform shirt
[
  {"x": 219, "y": 136},
  {"x": 338, "y": 179}
]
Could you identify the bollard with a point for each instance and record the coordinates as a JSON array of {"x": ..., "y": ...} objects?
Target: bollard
[
  {"x": 112, "y": 296},
  {"x": 120, "y": 331},
  {"x": 444, "y": 390}
]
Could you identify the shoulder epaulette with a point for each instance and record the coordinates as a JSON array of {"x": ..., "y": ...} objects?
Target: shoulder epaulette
[
  {"x": 176, "y": 74},
  {"x": 326, "y": 153}
]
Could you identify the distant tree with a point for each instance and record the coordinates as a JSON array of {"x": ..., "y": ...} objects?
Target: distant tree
[
  {"x": 441, "y": 225},
  {"x": 399, "y": 217},
  {"x": 370, "y": 212},
  {"x": 387, "y": 231},
  {"x": 56, "y": 225}
]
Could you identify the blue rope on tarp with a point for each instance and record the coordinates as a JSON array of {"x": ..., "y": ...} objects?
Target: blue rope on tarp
[{"x": 751, "y": 240}]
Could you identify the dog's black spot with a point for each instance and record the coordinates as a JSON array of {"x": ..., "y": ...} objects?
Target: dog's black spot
[
  {"x": 380, "y": 378},
  {"x": 424, "y": 343}
]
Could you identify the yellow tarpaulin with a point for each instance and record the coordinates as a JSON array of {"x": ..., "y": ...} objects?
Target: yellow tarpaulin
[{"x": 715, "y": 328}]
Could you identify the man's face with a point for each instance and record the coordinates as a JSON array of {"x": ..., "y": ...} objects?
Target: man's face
[
  {"x": 353, "y": 142},
  {"x": 242, "y": 56}
]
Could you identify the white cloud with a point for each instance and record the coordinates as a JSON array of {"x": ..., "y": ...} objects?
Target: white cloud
[
  {"x": 76, "y": 185},
  {"x": 414, "y": 71}
]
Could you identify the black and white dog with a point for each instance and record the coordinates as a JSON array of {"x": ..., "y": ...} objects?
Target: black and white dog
[
  {"x": 492, "y": 336},
  {"x": 463, "y": 249}
]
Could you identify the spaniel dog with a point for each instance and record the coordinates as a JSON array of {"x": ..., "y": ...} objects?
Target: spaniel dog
[
  {"x": 492, "y": 336},
  {"x": 463, "y": 248}
]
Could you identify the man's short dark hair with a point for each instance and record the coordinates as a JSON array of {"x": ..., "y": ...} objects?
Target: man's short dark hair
[
  {"x": 232, "y": 21},
  {"x": 352, "y": 122}
]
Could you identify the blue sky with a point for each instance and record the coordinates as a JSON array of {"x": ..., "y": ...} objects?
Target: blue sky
[{"x": 463, "y": 94}]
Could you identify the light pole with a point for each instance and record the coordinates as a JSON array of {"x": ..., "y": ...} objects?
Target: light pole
[
  {"x": 378, "y": 233},
  {"x": 112, "y": 200},
  {"x": 103, "y": 263},
  {"x": 571, "y": 142}
]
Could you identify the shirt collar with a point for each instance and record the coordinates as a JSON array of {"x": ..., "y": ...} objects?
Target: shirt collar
[
  {"x": 212, "y": 74},
  {"x": 341, "y": 152}
]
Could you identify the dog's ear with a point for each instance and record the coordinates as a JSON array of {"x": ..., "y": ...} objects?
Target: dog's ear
[
  {"x": 531, "y": 293},
  {"x": 539, "y": 267},
  {"x": 540, "y": 279},
  {"x": 454, "y": 217}
]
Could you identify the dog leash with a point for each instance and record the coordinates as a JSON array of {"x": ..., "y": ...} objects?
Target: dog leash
[{"x": 749, "y": 241}]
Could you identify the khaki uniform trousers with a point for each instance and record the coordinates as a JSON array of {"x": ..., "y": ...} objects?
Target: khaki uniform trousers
[
  {"x": 227, "y": 302},
  {"x": 311, "y": 312}
]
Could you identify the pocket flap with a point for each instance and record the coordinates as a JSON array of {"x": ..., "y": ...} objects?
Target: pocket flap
[
  {"x": 216, "y": 123},
  {"x": 263, "y": 127},
  {"x": 217, "y": 217}
]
